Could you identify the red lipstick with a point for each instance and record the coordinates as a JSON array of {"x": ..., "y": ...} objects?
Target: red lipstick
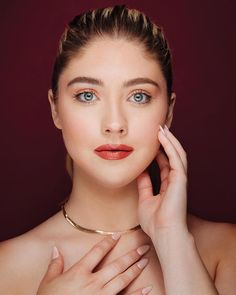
[{"x": 113, "y": 151}]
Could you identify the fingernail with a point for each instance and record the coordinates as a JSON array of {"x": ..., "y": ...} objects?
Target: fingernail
[
  {"x": 146, "y": 290},
  {"x": 143, "y": 249},
  {"x": 162, "y": 130},
  {"x": 116, "y": 236},
  {"x": 55, "y": 252},
  {"x": 142, "y": 263},
  {"x": 166, "y": 128}
]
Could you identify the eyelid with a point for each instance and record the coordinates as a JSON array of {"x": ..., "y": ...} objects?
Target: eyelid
[
  {"x": 140, "y": 90},
  {"x": 81, "y": 91},
  {"x": 85, "y": 90},
  {"x": 93, "y": 91},
  {"x": 149, "y": 96}
]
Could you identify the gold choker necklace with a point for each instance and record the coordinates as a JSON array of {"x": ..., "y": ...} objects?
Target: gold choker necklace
[{"x": 95, "y": 231}]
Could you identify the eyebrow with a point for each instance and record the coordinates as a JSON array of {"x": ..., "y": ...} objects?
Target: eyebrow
[{"x": 132, "y": 82}]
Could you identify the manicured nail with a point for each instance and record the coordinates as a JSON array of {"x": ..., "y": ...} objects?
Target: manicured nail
[
  {"x": 142, "y": 263},
  {"x": 146, "y": 290},
  {"x": 55, "y": 252},
  {"x": 162, "y": 130},
  {"x": 116, "y": 236},
  {"x": 143, "y": 249},
  {"x": 166, "y": 128}
]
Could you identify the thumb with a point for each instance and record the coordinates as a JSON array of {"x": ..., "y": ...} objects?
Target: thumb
[{"x": 56, "y": 266}]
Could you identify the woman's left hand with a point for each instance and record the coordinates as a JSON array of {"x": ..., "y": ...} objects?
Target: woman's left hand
[{"x": 168, "y": 209}]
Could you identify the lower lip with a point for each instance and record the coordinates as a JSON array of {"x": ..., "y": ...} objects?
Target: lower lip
[{"x": 108, "y": 155}]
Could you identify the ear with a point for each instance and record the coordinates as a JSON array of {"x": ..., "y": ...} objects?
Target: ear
[
  {"x": 170, "y": 113},
  {"x": 54, "y": 110}
]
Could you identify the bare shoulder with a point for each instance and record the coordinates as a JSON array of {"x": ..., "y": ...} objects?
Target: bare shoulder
[
  {"x": 23, "y": 260},
  {"x": 216, "y": 242},
  {"x": 221, "y": 235}
]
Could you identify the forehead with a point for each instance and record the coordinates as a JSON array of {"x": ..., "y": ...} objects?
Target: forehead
[{"x": 110, "y": 58}]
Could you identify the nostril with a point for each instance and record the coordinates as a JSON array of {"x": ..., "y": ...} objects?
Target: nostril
[{"x": 110, "y": 130}]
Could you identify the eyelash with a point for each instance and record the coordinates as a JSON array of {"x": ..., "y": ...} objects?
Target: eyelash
[{"x": 76, "y": 96}]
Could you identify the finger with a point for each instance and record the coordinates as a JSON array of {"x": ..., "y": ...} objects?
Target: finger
[
  {"x": 174, "y": 157},
  {"x": 55, "y": 268},
  {"x": 178, "y": 146},
  {"x": 95, "y": 254},
  {"x": 143, "y": 291},
  {"x": 144, "y": 185},
  {"x": 124, "y": 279},
  {"x": 163, "y": 164},
  {"x": 121, "y": 264}
]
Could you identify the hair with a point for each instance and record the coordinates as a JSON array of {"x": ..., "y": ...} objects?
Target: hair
[{"x": 116, "y": 22}]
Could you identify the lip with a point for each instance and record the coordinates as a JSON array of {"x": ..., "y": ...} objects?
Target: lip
[
  {"x": 112, "y": 147},
  {"x": 113, "y": 151}
]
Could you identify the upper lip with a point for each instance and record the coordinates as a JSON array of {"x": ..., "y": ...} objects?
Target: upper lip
[{"x": 114, "y": 147}]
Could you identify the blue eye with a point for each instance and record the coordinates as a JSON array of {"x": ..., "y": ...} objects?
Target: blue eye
[
  {"x": 139, "y": 97},
  {"x": 85, "y": 96}
]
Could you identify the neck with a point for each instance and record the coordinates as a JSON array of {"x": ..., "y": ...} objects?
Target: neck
[{"x": 96, "y": 207}]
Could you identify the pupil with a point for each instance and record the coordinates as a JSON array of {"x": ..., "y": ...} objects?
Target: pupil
[
  {"x": 138, "y": 97},
  {"x": 88, "y": 95}
]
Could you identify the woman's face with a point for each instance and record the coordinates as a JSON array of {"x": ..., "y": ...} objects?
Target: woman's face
[{"x": 123, "y": 102}]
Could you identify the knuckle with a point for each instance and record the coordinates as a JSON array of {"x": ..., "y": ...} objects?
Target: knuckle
[
  {"x": 133, "y": 271},
  {"x": 133, "y": 256},
  {"x": 130, "y": 257},
  {"x": 105, "y": 243},
  {"x": 118, "y": 265},
  {"x": 100, "y": 248},
  {"x": 97, "y": 280},
  {"x": 123, "y": 262},
  {"x": 124, "y": 280}
]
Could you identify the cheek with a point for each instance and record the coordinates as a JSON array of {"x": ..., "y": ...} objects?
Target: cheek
[
  {"x": 78, "y": 129},
  {"x": 146, "y": 127}
]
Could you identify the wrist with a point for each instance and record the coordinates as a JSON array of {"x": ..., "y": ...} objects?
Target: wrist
[
  {"x": 169, "y": 230},
  {"x": 171, "y": 236}
]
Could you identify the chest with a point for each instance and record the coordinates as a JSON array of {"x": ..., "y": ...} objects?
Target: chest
[{"x": 151, "y": 275}]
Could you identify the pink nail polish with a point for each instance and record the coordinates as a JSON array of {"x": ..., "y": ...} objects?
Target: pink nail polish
[
  {"x": 142, "y": 262},
  {"x": 162, "y": 130},
  {"x": 116, "y": 236},
  {"x": 55, "y": 252},
  {"x": 166, "y": 128}
]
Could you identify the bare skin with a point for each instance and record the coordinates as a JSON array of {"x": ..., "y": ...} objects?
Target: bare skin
[{"x": 24, "y": 259}]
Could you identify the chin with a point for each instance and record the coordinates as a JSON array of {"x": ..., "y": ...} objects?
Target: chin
[
  {"x": 118, "y": 179},
  {"x": 114, "y": 185}
]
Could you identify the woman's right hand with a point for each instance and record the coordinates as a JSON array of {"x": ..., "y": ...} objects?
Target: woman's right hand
[{"x": 79, "y": 279}]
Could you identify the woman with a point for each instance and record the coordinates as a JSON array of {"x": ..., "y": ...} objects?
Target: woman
[{"x": 111, "y": 94}]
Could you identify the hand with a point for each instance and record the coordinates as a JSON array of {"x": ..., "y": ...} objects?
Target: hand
[
  {"x": 168, "y": 209},
  {"x": 80, "y": 279}
]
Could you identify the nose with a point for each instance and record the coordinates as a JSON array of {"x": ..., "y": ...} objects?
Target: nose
[
  {"x": 113, "y": 129},
  {"x": 114, "y": 122}
]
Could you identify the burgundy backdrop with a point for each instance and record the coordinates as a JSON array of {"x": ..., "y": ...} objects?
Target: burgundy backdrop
[{"x": 33, "y": 176}]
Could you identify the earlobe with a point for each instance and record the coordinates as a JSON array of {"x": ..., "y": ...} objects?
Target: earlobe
[
  {"x": 54, "y": 110},
  {"x": 170, "y": 113}
]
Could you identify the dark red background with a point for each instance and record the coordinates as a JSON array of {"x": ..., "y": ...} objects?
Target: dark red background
[{"x": 33, "y": 177}]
